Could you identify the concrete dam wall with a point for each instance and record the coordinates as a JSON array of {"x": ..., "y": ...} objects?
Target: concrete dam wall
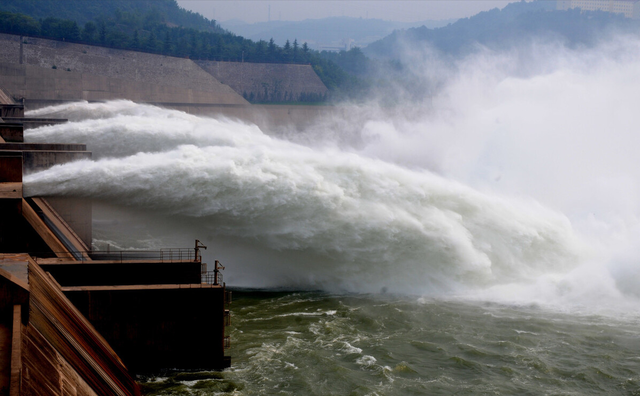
[
  {"x": 48, "y": 70},
  {"x": 85, "y": 72},
  {"x": 263, "y": 82}
]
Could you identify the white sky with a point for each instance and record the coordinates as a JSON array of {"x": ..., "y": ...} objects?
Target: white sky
[{"x": 295, "y": 10}]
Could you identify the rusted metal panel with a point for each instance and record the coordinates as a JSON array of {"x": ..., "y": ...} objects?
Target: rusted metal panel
[
  {"x": 74, "y": 339},
  {"x": 58, "y": 222},
  {"x": 11, "y": 110},
  {"x": 16, "y": 352},
  {"x": 12, "y": 132},
  {"x": 10, "y": 167},
  {"x": 40, "y": 366},
  {"x": 45, "y": 233},
  {"x": 5, "y": 351}
]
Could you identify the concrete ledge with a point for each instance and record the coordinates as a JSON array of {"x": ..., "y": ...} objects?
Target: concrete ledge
[
  {"x": 11, "y": 110},
  {"x": 37, "y": 160},
  {"x": 12, "y": 132},
  {"x": 30, "y": 123},
  {"x": 43, "y": 147},
  {"x": 142, "y": 287},
  {"x": 10, "y": 190}
]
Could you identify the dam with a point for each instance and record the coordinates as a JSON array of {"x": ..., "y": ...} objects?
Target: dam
[{"x": 75, "y": 320}]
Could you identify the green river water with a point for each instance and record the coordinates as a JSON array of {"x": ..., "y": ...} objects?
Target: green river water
[{"x": 320, "y": 344}]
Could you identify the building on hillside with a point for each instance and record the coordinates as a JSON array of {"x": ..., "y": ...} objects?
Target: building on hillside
[{"x": 630, "y": 8}]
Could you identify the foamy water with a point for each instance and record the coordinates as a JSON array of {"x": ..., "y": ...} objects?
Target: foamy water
[
  {"x": 507, "y": 187},
  {"x": 364, "y": 223}
]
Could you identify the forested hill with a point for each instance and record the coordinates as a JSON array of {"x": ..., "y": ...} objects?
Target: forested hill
[
  {"x": 514, "y": 25},
  {"x": 83, "y": 11},
  {"x": 162, "y": 27}
]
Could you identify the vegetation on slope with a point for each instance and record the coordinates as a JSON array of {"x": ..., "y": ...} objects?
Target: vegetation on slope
[{"x": 83, "y": 11}]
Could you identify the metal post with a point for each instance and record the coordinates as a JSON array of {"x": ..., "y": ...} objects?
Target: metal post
[
  {"x": 197, "y": 250},
  {"x": 216, "y": 270}
]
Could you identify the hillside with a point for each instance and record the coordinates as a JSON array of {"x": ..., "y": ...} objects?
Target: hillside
[
  {"x": 83, "y": 11},
  {"x": 514, "y": 25}
]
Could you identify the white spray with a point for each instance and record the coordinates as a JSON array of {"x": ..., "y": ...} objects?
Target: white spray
[{"x": 374, "y": 217}]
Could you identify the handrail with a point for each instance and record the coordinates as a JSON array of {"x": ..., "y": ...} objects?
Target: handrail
[
  {"x": 169, "y": 255},
  {"x": 211, "y": 278}
]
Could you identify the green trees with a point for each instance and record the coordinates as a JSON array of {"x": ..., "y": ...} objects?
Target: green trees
[
  {"x": 18, "y": 24},
  {"x": 89, "y": 32},
  {"x": 286, "y": 52},
  {"x": 271, "y": 51},
  {"x": 103, "y": 32},
  {"x": 353, "y": 61},
  {"x": 60, "y": 29},
  {"x": 296, "y": 51}
]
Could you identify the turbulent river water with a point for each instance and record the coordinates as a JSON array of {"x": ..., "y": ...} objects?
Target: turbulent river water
[{"x": 483, "y": 243}]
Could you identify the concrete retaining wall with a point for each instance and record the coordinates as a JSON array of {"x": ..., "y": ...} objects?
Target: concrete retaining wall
[
  {"x": 85, "y": 72},
  {"x": 56, "y": 85},
  {"x": 268, "y": 81}
]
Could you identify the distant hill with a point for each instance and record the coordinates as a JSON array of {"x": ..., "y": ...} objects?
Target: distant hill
[
  {"x": 515, "y": 24},
  {"x": 83, "y": 11},
  {"x": 326, "y": 32}
]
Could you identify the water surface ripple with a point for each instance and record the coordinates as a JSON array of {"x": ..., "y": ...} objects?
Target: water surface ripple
[{"x": 318, "y": 344}]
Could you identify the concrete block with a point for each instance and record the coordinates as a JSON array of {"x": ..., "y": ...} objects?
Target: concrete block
[
  {"x": 39, "y": 94},
  {"x": 97, "y": 95},
  {"x": 68, "y": 95},
  {"x": 35, "y": 161},
  {"x": 94, "y": 83},
  {"x": 69, "y": 81},
  {"x": 40, "y": 84}
]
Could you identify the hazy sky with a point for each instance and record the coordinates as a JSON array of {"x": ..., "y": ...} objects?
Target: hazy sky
[{"x": 295, "y": 10}]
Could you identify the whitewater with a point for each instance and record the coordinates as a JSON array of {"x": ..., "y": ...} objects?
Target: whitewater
[{"x": 484, "y": 241}]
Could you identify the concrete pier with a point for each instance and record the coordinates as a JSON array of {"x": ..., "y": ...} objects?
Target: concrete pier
[
  {"x": 11, "y": 132},
  {"x": 53, "y": 350}
]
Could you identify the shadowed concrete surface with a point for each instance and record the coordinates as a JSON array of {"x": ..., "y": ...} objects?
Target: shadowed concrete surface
[
  {"x": 268, "y": 81},
  {"x": 148, "y": 77}
]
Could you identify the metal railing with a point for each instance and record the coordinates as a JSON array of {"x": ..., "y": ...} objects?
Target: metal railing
[
  {"x": 169, "y": 255},
  {"x": 210, "y": 278}
]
